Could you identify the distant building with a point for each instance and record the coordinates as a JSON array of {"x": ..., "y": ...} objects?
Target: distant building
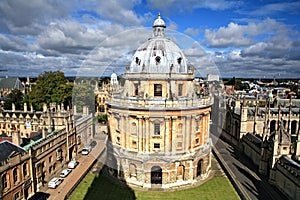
[
  {"x": 8, "y": 84},
  {"x": 213, "y": 77},
  {"x": 269, "y": 135},
  {"x": 48, "y": 139},
  {"x": 159, "y": 119}
]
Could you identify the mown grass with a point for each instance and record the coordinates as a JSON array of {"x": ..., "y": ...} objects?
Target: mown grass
[{"x": 100, "y": 187}]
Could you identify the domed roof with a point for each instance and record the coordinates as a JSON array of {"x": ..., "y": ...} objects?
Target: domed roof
[
  {"x": 159, "y": 54},
  {"x": 113, "y": 75},
  {"x": 159, "y": 22}
]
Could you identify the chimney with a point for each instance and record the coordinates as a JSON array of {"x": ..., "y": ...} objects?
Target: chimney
[
  {"x": 44, "y": 132},
  {"x": 16, "y": 138}
]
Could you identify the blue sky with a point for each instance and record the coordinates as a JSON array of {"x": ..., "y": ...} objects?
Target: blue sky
[{"x": 257, "y": 39}]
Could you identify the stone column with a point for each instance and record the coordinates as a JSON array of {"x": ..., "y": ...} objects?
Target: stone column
[
  {"x": 187, "y": 133},
  {"x": 123, "y": 131},
  {"x": 192, "y": 131},
  {"x": 167, "y": 134},
  {"x": 140, "y": 133},
  {"x": 173, "y": 135},
  {"x": 147, "y": 134}
]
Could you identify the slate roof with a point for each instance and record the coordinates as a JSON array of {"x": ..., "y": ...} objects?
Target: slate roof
[
  {"x": 11, "y": 83},
  {"x": 7, "y": 148}
]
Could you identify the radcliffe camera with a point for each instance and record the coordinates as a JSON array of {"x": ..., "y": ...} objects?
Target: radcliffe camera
[{"x": 149, "y": 100}]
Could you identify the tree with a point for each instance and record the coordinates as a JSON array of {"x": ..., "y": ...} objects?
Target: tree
[
  {"x": 50, "y": 87},
  {"x": 16, "y": 97},
  {"x": 83, "y": 95}
]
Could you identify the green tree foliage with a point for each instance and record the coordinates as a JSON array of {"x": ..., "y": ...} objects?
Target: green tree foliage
[
  {"x": 101, "y": 118},
  {"x": 50, "y": 87},
  {"x": 16, "y": 97},
  {"x": 83, "y": 95}
]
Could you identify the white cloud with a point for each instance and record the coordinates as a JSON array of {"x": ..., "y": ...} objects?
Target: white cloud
[
  {"x": 120, "y": 11},
  {"x": 232, "y": 35},
  {"x": 189, "y": 5},
  {"x": 192, "y": 31}
]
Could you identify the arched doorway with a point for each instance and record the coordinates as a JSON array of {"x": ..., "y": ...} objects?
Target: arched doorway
[
  {"x": 156, "y": 175},
  {"x": 199, "y": 167}
]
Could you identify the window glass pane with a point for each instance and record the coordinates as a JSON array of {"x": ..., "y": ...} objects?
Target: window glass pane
[{"x": 157, "y": 90}]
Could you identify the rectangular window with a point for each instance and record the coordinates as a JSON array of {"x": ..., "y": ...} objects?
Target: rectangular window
[
  {"x": 180, "y": 89},
  {"x": 179, "y": 145},
  {"x": 197, "y": 140},
  {"x": 17, "y": 196},
  {"x": 134, "y": 144},
  {"x": 156, "y": 145},
  {"x": 136, "y": 89},
  {"x": 197, "y": 125},
  {"x": 157, "y": 90},
  {"x": 156, "y": 129},
  {"x": 102, "y": 108}
]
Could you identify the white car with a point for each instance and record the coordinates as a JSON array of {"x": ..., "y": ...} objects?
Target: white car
[
  {"x": 72, "y": 164},
  {"x": 64, "y": 173},
  {"x": 86, "y": 150},
  {"x": 53, "y": 183}
]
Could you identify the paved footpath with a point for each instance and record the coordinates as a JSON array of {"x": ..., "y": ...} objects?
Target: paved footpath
[{"x": 85, "y": 164}]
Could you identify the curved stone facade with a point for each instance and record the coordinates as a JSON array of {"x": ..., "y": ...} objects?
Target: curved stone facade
[{"x": 159, "y": 128}]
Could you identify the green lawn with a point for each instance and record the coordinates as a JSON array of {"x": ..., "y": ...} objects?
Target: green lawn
[{"x": 100, "y": 187}]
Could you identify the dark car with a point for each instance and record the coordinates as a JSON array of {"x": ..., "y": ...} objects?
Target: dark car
[{"x": 93, "y": 144}]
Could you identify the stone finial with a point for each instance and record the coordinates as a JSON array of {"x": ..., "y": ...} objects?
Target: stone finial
[{"x": 25, "y": 107}]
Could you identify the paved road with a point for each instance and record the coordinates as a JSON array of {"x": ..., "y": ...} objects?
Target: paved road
[
  {"x": 245, "y": 173},
  {"x": 85, "y": 163}
]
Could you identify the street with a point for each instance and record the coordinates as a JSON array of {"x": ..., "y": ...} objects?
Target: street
[{"x": 244, "y": 172}]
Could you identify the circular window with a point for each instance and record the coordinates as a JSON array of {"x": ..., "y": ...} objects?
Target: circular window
[{"x": 157, "y": 59}]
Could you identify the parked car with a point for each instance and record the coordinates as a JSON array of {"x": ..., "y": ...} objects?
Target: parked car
[
  {"x": 72, "y": 164},
  {"x": 64, "y": 173},
  {"x": 86, "y": 150},
  {"x": 93, "y": 144},
  {"x": 53, "y": 183}
]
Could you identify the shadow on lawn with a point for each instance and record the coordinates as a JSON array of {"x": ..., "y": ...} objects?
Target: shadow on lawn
[{"x": 104, "y": 187}]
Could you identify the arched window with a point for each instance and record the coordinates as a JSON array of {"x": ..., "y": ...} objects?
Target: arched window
[
  {"x": 4, "y": 181},
  {"x": 179, "y": 129},
  {"x": 133, "y": 128},
  {"x": 132, "y": 171},
  {"x": 25, "y": 171},
  {"x": 199, "y": 167},
  {"x": 15, "y": 175}
]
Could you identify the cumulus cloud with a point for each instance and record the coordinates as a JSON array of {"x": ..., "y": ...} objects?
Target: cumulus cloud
[
  {"x": 192, "y": 31},
  {"x": 22, "y": 16},
  {"x": 120, "y": 11},
  {"x": 189, "y": 5}
]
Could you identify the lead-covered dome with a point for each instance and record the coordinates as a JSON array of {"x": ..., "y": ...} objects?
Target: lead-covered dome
[{"x": 159, "y": 54}]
